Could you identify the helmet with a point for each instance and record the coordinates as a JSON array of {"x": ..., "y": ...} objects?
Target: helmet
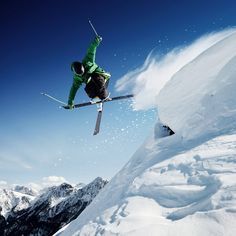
[{"x": 77, "y": 67}]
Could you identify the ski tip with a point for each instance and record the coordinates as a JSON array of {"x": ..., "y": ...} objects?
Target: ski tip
[{"x": 95, "y": 132}]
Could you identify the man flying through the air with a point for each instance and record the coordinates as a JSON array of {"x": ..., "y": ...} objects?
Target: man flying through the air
[{"x": 88, "y": 72}]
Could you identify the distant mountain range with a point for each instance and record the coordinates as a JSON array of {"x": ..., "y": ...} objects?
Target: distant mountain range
[{"x": 29, "y": 212}]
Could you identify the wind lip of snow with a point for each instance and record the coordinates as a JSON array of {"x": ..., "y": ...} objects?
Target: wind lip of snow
[
  {"x": 183, "y": 85},
  {"x": 199, "y": 100},
  {"x": 150, "y": 78}
]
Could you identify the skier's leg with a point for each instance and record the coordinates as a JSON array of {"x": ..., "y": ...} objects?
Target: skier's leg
[
  {"x": 97, "y": 88},
  {"x": 100, "y": 82},
  {"x": 91, "y": 89},
  {"x": 99, "y": 106}
]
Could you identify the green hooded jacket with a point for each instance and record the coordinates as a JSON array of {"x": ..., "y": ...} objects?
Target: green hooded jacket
[{"x": 90, "y": 67}]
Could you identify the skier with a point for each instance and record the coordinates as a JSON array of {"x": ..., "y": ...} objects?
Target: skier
[
  {"x": 2, "y": 223},
  {"x": 88, "y": 72}
]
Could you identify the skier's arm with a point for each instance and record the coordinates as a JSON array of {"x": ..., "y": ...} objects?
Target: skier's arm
[
  {"x": 91, "y": 52},
  {"x": 74, "y": 88}
]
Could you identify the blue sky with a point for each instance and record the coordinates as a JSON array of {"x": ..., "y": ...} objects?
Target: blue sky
[{"x": 39, "y": 40}]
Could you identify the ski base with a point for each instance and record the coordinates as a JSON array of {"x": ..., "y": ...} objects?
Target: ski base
[{"x": 98, "y": 123}]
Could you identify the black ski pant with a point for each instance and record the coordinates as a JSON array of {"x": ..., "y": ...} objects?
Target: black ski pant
[{"x": 96, "y": 87}]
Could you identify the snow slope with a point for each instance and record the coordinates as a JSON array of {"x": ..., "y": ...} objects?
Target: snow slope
[{"x": 182, "y": 184}]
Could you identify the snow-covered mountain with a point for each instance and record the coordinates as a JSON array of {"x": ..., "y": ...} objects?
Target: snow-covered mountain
[
  {"x": 184, "y": 184},
  {"x": 25, "y": 190},
  {"x": 13, "y": 200},
  {"x": 51, "y": 209}
]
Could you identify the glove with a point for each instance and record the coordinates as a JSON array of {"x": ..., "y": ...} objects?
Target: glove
[
  {"x": 71, "y": 105},
  {"x": 98, "y": 38}
]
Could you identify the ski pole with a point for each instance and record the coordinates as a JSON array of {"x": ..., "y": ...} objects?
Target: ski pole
[
  {"x": 93, "y": 27},
  {"x": 55, "y": 99}
]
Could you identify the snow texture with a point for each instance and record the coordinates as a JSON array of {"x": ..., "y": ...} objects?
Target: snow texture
[{"x": 182, "y": 184}]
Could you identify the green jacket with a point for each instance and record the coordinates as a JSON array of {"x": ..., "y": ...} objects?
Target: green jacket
[{"x": 90, "y": 67}]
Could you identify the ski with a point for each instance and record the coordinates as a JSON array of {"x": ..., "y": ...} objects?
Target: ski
[
  {"x": 102, "y": 101},
  {"x": 98, "y": 122},
  {"x": 98, "y": 103}
]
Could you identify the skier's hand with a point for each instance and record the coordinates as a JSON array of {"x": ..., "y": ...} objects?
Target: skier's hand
[
  {"x": 98, "y": 38},
  {"x": 72, "y": 106}
]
